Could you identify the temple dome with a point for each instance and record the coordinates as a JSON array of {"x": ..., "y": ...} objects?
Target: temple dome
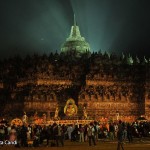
[{"x": 75, "y": 42}]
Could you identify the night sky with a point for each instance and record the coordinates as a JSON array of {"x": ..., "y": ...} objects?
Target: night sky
[{"x": 41, "y": 26}]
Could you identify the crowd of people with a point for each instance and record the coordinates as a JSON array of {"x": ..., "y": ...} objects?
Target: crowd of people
[{"x": 56, "y": 134}]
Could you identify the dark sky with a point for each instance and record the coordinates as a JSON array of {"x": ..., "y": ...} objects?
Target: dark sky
[{"x": 41, "y": 26}]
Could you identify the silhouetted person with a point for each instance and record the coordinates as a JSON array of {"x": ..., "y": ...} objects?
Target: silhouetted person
[
  {"x": 90, "y": 132},
  {"x": 129, "y": 133},
  {"x": 23, "y": 136},
  {"x": 120, "y": 136}
]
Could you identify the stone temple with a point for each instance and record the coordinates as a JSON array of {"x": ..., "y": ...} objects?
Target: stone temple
[{"x": 105, "y": 85}]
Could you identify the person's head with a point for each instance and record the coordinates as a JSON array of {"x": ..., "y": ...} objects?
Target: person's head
[
  {"x": 91, "y": 124},
  {"x": 120, "y": 122},
  {"x": 54, "y": 124}
]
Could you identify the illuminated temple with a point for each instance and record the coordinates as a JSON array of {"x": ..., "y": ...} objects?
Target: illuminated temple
[{"x": 106, "y": 86}]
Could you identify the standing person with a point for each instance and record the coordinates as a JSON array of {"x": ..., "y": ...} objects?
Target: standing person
[
  {"x": 85, "y": 133},
  {"x": 8, "y": 129},
  {"x": 55, "y": 132},
  {"x": 64, "y": 129},
  {"x": 116, "y": 130},
  {"x": 96, "y": 130},
  {"x": 36, "y": 139},
  {"x": 75, "y": 133},
  {"x": 2, "y": 133},
  {"x": 90, "y": 132},
  {"x": 23, "y": 136},
  {"x": 129, "y": 133},
  {"x": 18, "y": 138},
  {"x": 43, "y": 134},
  {"x": 59, "y": 138},
  {"x": 111, "y": 131},
  {"x": 13, "y": 134},
  {"x": 69, "y": 131},
  {"x": 120, "y": 136},
  {"x": 124, "y": 132},
  {"x": 29, "y": 132},
  {"x": 49, "y": 134},
  {"x": 81, "y": 130}
]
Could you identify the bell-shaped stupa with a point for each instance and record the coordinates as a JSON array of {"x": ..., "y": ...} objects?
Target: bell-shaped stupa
[{"x": 75, "y": 43}]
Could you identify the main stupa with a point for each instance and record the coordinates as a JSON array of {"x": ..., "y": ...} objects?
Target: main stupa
[{"x": 75, "y": 43}]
